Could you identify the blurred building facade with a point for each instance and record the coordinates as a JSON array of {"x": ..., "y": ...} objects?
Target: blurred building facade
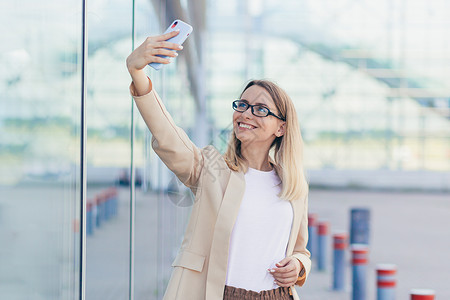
[{"x": 369, "y": 80}]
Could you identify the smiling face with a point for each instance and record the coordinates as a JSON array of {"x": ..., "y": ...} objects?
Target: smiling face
[{"x": 250, "y": 129}]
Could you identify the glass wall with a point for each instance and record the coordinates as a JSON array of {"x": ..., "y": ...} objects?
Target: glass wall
[
  {"x": 40, "y": 113},
  {"x": 108, "y": 151},
  {"x": 127, "y": 253},
  {"x": 162, "y": 202},
  {"x": 369, "y": 80}
]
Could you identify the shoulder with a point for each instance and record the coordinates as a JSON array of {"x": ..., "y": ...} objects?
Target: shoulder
[{"x": 213, "y": 157}]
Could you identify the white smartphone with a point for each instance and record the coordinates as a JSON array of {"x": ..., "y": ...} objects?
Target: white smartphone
[{"x": 185, "y": 31}]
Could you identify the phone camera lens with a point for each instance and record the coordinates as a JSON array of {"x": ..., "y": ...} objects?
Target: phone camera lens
[{"x": 174, "y": 24}]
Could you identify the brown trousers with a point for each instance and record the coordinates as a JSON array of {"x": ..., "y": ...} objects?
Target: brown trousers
[{"x": 232, "y": 293}]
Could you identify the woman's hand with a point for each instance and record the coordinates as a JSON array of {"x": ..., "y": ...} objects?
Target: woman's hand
[
  {"x": 287, "y": 271},
  {"x": 147, "y": 53},
  {"x": 152, "y": 46}
]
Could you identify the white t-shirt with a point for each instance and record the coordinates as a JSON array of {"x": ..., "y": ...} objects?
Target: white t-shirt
[{"x": 261, "y": 233}]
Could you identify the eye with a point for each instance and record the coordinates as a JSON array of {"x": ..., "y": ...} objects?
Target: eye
[
  {"x": 241, "y": 104},
  {"x": 261, "y": 109}
]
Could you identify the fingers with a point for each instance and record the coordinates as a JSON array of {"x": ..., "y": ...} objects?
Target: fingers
[
  {"x": 152, "y": 49},
  {"x": 281, "y": 276},
  {"x": 161, "y": 60},
  {"x": 284, "y": 262},
  {"x": 287, "y": 279},
  {"x": 163, "y": 51},
  {"x": 166, "y": 36},
  {"x": 168, "y": 45},
  {"x": 284, "y": 267},
  {"x": 285, "y": 283},
  {"x": 286, "y": 273}
]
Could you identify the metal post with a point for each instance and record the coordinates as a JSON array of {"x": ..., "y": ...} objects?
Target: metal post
[
  {"x": 360, "y": 226},
  {"x": 312, "y": 233},
  {"x": 386, "y": 281},
  {"x": 83, "y": 140},
  {"x": 359, "y": 267},
  {"x": 421, "y": 294},
  {"x": 98, "y": 211},
  {"x": 89, "y": 219},
  {"x": 322, "y": 257},
  {"x": 340, "y": 243}
]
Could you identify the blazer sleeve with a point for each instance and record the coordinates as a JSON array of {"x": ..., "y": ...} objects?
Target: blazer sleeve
[
  {"x": 170, "y": 142},
  {"x": 300, "y": 252}
]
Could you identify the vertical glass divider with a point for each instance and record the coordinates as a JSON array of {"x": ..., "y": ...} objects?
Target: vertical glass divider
[
  {"x": 83, "y": 173},
  {"x": 132, "y": 179}
]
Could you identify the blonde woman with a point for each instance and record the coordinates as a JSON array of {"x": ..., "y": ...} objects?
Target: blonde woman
[{"x": 247, "y": 234}]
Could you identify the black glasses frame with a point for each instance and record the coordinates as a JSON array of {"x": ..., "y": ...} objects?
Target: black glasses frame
[{"x": 235, "y": 107}]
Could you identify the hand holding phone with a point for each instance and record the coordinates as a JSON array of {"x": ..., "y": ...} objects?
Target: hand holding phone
[{"x": 185, "y": 30}]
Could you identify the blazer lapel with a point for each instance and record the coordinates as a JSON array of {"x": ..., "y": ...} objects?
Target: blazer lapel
[{"x": 218, "y": 259}]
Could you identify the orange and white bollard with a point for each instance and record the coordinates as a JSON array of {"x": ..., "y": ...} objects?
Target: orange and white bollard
[
  {"x": 386, "y": 281},
  {"x": 322, "y": 251},
  {"x": 420, "y": 294},
  {"x": 360, "y": 259},
  {"x": 312, "y": 234},
  {"x": 340, "y": 244}
]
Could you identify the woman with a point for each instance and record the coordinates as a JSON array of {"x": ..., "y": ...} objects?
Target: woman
[{"x": 247, "y": 234}]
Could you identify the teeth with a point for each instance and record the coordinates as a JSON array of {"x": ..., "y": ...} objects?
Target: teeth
[{"x": 246, "y": 126}]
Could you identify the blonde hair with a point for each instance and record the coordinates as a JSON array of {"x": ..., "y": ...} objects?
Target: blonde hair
[{"x": 286, "y": 152}]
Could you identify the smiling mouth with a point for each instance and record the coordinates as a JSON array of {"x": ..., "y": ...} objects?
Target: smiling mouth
[{"x": 246, "y": 126}]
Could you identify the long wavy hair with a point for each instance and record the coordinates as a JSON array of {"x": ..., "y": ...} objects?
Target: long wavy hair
[{"x": 286, "y": 151}]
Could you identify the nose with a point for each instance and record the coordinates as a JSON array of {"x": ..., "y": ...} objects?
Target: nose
[{"x": 248, "y": 113}]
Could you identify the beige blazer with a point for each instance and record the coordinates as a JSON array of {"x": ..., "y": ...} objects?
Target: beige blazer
[{"x": 200, "y": 268}]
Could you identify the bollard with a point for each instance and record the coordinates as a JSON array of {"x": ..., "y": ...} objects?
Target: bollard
[
  {"x": 103, "y": 211},
  {"x": 89, "y": 219},
  {"x": 323, "y": 245},
  {"x": 107, "y": 199},
  {"x": 360, "y": 254},
  {"x": 112, "y": 193},
  {"x": 417, "y": 294},
  {"x": 340, "y": 241},
  {"x": 386, "y": 282},
  {"x": 98, "y": 211},
  {"x": 116, "y": 201},
  {"x": 312, "y": 234},
  {"x": 359, "y": 228}
]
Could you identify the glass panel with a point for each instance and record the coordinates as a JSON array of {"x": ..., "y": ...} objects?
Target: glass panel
[
  {"x": 160, "y": 218},
  {"x": 146, "y": 234},
  {"x": 369, "y": 80},
  {"x": 108, "y": 150},
  {"x": 40, "y": 112}
]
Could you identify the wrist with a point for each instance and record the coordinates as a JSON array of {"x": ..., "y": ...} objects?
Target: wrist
[
  {"x": 302, "y": 268},
  {"x": 133, "y": 71}
]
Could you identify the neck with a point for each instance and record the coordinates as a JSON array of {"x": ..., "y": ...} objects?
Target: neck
[{"x": 257, "y": 157}]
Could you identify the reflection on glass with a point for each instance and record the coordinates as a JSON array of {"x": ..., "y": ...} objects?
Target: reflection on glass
[
  {"x": 108, "y": 152},
  {"x": 160, "y": 215},
  {"x": 40, "y": 84},
  {"x": 372, "y": 89}
]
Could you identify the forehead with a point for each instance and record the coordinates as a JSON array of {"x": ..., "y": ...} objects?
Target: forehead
[{"x": 257, "y": 95}]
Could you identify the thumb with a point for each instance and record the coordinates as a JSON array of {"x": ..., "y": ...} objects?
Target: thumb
[{"x": 283, "y": 262}]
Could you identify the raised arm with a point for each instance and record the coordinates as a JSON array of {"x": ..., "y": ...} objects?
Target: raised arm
[{"x": 169, "y": 141}]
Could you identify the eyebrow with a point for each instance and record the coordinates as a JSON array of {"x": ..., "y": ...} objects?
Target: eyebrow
[{"x": 257, "y": 103}]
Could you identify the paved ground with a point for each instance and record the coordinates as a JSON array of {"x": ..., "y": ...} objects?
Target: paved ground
[{"x": 409, "y": 230}]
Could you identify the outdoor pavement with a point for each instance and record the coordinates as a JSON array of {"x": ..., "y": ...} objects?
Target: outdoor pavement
[{"x": 410, "y": 230}]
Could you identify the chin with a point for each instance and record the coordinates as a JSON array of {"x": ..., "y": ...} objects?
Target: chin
[{"x": 244, "y": 139}]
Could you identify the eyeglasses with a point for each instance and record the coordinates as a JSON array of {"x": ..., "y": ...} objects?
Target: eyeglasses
[{"x": 257, "y": 110}]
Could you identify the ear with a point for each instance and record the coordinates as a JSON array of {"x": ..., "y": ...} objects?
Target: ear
[{"x": 281, "y": 130}]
